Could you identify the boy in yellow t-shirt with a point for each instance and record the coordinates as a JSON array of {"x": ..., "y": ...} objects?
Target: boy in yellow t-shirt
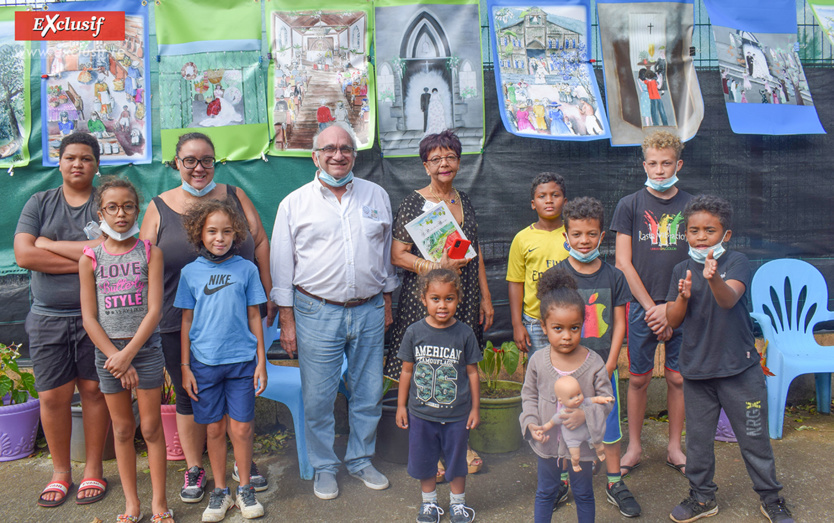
[{"x": 534, "y": 250}]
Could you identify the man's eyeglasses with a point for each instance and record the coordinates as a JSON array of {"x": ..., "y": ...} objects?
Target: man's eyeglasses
[
  {"x": 330, "y": 150},
  {"x": 189, "y": 162},
  {"x": 452, "y": 158},
  {"x": 112, "y": 209}
]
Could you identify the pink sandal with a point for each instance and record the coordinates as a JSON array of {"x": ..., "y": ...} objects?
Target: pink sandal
[{"x": 158, "y": 518}]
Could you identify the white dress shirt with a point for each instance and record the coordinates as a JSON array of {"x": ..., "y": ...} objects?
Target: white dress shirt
[{"x": 336, "y": 250}]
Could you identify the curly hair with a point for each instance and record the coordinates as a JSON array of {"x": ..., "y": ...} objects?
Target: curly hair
[
  {"x": 558, "y": 289},
  {"x": 82, "y": 138},
  {"x": 114, "y": 182},
  {"x": 584, "y": 208},
  {"x": 663, "y": 140},
  {"x": 195, "y": 218},
  {"x": 714, "y": 205},
  {"x": 184, "y": 139},
  {"x": 547, "y": 177},
  {"x": 438, "y": 276},
  {"x": 442, "y": 140}
]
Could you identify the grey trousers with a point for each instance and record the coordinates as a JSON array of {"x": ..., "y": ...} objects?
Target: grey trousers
[{"x": 744, "y": 399}]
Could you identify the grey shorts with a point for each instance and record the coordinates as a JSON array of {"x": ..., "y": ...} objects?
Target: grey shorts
[
  {"x": 148, "y": 362},
  {"x": 60, "y": 350}
]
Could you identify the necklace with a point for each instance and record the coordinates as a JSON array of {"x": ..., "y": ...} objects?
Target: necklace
[{"x": 451, "y": 201}]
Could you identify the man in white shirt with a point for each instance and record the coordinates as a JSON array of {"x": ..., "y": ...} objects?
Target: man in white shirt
[{"x": 333, "y": 278}]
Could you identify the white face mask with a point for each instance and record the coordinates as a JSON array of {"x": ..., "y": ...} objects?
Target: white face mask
[
  {"x": 700, "y": 255},
  {"x": 119, "y": 236}
]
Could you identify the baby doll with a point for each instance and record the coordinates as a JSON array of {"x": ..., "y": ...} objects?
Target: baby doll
[{"x": 570, "y": 396}]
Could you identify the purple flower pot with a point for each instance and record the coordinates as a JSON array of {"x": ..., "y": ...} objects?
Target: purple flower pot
[{"x": 18, "y": 429}]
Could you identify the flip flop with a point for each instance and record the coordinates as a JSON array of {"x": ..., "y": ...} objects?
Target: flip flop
[
  {"x": 156, "y": 518},
  {"x": 628, "y": 468},
  {"x": 56, "y": 486},
  {"x": 679, "y": 468},
  {"x": 91, "y": 484},
  {"x": 127, "y": 518}
]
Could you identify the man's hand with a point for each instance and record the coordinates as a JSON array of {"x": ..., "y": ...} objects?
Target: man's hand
[
  {"x": 286, "y": 320},
  {"x": 389, "y": 315}
]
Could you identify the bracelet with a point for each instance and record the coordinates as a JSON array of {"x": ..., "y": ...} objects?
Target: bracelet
[
  {"x": 185, "y": 364},
  {"x": 414, "y": 265}
]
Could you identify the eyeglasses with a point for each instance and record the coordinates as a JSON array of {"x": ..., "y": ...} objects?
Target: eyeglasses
[
  {"x": 452, "y": 158},
  {"x": 330, "y": 150},
  {"x": 189, "y": 162},
  {"x": 112, "y": 209}
]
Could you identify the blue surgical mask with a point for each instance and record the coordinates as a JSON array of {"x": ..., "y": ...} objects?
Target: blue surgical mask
[
  {"x": 334, "y": 182},
  {"x": 586, "y": 258},
  {"x": 663, "y": 186},
  {"x": 199, "y": 193},
  {"x": 700, "y": 255}
]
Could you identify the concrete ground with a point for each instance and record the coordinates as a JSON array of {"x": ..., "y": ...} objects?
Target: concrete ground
[{"x": 502, "y": 491}]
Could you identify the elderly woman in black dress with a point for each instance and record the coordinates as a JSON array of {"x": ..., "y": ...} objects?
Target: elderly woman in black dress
[{"x": 441, "y": 158}]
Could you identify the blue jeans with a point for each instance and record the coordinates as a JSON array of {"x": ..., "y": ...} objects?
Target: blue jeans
[
  {"x": 325, "y": 334},
  {"x": 538, "y": 339},
  {"x": 550, "y": 476}
]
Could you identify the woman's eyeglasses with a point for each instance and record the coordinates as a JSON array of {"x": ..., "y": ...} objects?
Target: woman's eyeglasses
[
  {"x": 189, "y": 162},
  {"x": 438, "y": 159}
]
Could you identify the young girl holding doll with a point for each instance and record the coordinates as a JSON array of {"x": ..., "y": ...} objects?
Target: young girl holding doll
[
  {"x": 440, "y": 381},
  {"x": 121, "y": 301},
  {"x": 223, "y": 358},
  {"x": 562, "y": 316}
]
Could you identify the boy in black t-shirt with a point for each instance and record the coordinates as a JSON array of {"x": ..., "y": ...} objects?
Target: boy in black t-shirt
[
  {"x": 650, "y": 242},
  {"x": 606, "y": 294},
  {"x": 719, "y": 362}
]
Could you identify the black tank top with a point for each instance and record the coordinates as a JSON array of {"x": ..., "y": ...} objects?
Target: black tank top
[{"x": 178, "y": 252}]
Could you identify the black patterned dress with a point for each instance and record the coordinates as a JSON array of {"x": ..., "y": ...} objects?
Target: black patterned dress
[{"x": 410, "y": 308}]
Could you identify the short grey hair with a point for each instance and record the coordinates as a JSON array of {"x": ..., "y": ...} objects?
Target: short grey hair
[{"x": 350, "y": 132}]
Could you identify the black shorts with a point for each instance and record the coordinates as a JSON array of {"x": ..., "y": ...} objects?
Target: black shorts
[{"x": 60, "y": 350}]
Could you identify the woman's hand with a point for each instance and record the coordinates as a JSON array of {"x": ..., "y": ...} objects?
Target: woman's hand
[
  {"x": 451, "y": 264},
  {"x": 487, "y": 313}
]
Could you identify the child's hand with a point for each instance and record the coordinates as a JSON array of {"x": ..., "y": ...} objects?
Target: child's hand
[
  {"x": 402, "y": 417},
  {"x": 655, "y": 318},
  {"x": 474, "y": 419},
  {"x": 521, "y": 337},
  {"x": 573, "y": 418},
  {"x": 118, "y": 364},
  {"x": 710, "y": 266},
  {"x": 189, "y": 383},
  {"x": 130, "y": 379},
  {"x": 685, "y": 285},
  {"x": 260, "y": 380},
  {"x": 538, "y": 433}
]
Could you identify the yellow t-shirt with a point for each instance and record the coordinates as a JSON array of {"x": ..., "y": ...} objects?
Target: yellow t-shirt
[{"x": 532, "y": 252}]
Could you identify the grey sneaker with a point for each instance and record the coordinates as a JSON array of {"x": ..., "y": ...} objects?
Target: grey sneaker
[
  {"x": 429, "y": 513},
  {"x": 619, "y": 495},
  {"x": 372, "y": 478},
  {"x": 325, "y": 486},
  {"x": 220, "y": 500},
  {"x": 460, "y": 513},
  {"x": 194, "y": 486},
  {"x": 777, "y": 512},
  {"x": 249, "y": 507},
  {"x": 256, "y": 479},
  {"x": 690, "y": 510}
]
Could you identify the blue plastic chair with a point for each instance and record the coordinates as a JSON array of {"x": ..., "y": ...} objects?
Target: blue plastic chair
[
  {"x": 284, "y": 386},
  {"x": 789, "y": 298}
]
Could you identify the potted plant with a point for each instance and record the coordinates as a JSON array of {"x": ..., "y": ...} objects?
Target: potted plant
[
  {"x": 499, "y": 430},
  {"x": 168, "y": 407},
  {"x": 20, "y": 407}
]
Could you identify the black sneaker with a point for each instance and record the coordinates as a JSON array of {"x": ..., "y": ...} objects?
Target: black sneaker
[
  {"x": 429, "y": 513},
  {"x": 256, "y": 479},
  {"x": 561, "y": 494},
  {"x": 460, "y": 513},
  {"x": 690, "y": 510},
  {"x": 777, "y": 511},
  {"x": 194, "y": 487},
  {"x": 619, "y": 495}
]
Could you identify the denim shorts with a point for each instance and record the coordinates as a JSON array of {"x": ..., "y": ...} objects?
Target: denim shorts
[
  {"x": 428, "y": 440},
  {"x": 60, "y": 350},
  {"x": 613, "y": 431},
  {"x": 148, "y": 364},
  {"x": 642, "y": 343},
  {"x": 538, "y": 339},
  {"x": 224, "y": 389}
]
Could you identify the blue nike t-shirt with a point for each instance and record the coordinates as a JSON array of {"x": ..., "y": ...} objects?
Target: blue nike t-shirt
[{"x": 219, "y": 294}]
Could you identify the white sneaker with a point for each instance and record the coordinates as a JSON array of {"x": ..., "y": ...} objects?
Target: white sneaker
[
  {"x": 250, "y": 508},
  {"x": 220, "y": 500}
]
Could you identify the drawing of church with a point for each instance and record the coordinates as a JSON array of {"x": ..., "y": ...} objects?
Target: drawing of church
[{"x": 533, "y": 36}]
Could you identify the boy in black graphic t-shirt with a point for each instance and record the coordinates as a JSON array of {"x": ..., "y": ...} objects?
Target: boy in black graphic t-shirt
[
  {"x": 650, "y": 241},
  {"x": 441, "y": 384}
]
